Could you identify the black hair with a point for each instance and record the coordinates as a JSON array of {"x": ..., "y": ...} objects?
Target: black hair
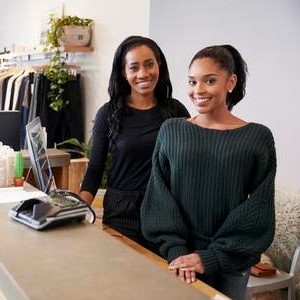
[
  {"x": 119, "y": 88},
  {"x": 230, "y": 60}
]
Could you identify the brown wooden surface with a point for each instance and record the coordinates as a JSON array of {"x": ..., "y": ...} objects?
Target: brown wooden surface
[
  {"x": 58, "y": 158},
  {"x": 77, "y": 49},
  {"x": 78, "y": 261},
  {"x": 77, "y": 169},
  {"x": 86, "y": 255},
  {"x": 199, "y": 285},
  {"x": 59, "y": 161}
]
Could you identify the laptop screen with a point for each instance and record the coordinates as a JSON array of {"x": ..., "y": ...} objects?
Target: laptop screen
[
  {"x": 38, "y": 155},
  {"x": 10, "y": 128}
]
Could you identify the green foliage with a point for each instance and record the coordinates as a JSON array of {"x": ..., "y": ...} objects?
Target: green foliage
[
  {"x": 56, "y": 24},
  {"x": 19, "y": 165},
  {"x": 58, "y": 75},
  {"x": 57, "y": 71},
  {"x": 83, "y": 148}
]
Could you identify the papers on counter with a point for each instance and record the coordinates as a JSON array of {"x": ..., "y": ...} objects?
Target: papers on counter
[{"x": 16, "y": 194}]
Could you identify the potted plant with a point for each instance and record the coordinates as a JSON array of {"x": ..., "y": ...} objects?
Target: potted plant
[
  {"x": 59, "y": 28},
  {"x": 84, "y": 150},
  {"x": 62, "y": 32},
  {"x": 79, "y": 149},
  {"x": 18, "y": 169}
]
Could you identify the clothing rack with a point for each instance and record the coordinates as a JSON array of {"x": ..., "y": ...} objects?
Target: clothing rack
[
  {"x": 24, "y": 87},
  {"x": 30, "y": 58},
  {"x": 33, "y": 63},
  {"x": 26, "y": 90},
  {"x": 26, "y": 58},
  {"x": 41, "y": 55}
]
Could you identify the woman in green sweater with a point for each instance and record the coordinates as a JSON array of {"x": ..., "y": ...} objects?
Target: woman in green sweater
[{"x": 210, "y": 198}]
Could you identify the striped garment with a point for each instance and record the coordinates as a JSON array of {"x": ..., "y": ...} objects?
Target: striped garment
[{"x": 211, "y": 192}]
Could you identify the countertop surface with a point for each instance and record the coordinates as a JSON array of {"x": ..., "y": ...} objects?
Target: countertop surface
[{"x": 78, "y": 261}]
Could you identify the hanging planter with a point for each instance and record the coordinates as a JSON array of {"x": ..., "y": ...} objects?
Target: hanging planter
[
  {"x": 68, "y": 29},
  {"x": 64, "y": 31},
  {"x": 75, "y": 35}
]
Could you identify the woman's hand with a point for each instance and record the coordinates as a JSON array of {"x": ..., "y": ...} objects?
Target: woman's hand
[
  {"x": 187, "y": 266},
  {"x": 87, "y": 197}
]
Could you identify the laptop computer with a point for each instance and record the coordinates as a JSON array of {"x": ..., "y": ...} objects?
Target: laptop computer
[
  {"x": 10, "y": 127},
  {"x": 59, "y": 206}
]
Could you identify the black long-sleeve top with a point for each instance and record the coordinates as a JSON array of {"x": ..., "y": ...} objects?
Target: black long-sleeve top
[
  {"x": 211, "y": 192},
  {"x": 133, "y": 147}
]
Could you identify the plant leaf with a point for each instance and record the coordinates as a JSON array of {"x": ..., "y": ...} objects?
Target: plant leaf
[{"x": 72, "y": 141}]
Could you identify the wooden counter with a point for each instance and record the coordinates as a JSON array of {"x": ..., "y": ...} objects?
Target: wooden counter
[
  {"x": 59, "y": 161},
  {"x": 202, "y": 287},
  {"x": 84, "y": 261},
  {"x": 79, "y": 261}
]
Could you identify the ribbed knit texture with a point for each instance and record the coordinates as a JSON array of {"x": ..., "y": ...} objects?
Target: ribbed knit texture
[{"x": 212, "y": 191}]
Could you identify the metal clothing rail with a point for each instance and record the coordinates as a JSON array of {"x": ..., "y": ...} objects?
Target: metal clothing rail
[
  {"x": 38, "y": 55},
  {"x": 20, "y": 58},
  {"x": 26, "y": 56}
]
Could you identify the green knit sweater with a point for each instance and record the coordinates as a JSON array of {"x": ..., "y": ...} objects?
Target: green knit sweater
[{"x": 212, "y": 192}]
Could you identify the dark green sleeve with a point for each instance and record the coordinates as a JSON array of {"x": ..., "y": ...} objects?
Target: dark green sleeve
[
  {"x": 249, "y": 228},
  {"x": 161, "y": 218}
]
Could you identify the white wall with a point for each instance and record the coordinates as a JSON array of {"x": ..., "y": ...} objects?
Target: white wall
[
  {"x": 23, "y": 21},
  {"x": 267, "y": 33}
]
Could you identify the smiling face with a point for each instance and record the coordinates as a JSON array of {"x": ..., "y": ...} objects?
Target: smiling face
[
  {"x": 141, "y": 70},
  {"x": 208, "y": 85}
]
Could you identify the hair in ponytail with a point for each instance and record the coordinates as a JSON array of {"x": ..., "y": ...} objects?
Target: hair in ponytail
[{"x": 230, "y": 60}]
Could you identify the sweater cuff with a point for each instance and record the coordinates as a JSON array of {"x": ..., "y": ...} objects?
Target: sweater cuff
[
  {"x": 209, "y": 261},
  {"x": 176, "y": 251}
]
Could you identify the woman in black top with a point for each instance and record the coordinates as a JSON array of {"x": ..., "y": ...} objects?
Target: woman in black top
[{"x": 140, "y": 101}]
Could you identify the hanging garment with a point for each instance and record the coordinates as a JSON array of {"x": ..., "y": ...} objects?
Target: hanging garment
[{"x": 66, "y": 123}]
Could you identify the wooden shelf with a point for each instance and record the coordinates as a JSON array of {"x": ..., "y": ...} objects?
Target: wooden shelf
[{"x": 77, "y": 49}]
